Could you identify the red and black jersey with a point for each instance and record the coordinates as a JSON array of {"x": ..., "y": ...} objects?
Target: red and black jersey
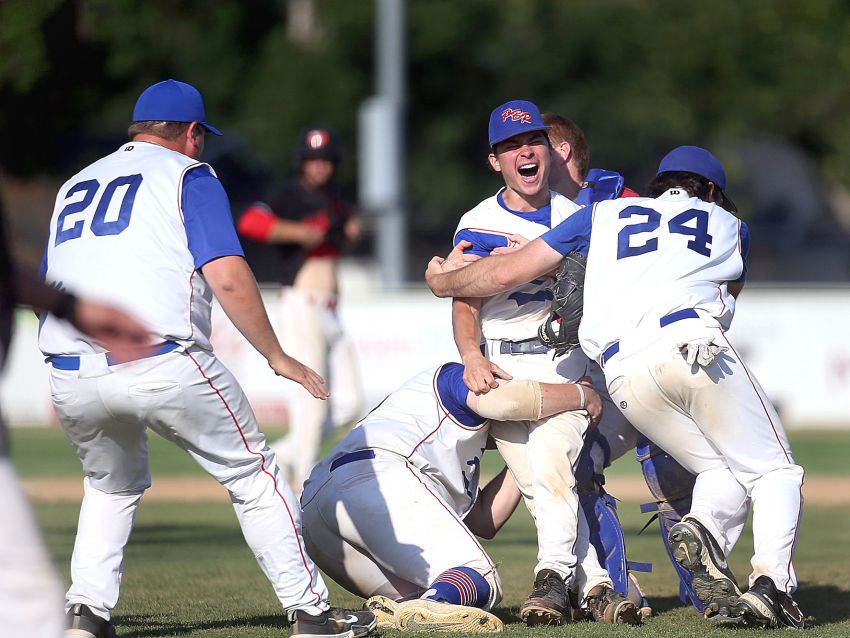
[{"x": 326, "y": 209}]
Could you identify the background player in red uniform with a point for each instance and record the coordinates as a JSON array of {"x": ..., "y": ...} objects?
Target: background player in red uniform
[{"x": 310, "y": 223}]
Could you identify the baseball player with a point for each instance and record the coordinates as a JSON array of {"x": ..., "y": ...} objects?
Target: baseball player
[
  {"x": 30, "y": 590},
  {"x": 149, "y": 227},
  {"x": 670, "y": 483},
  {"x": 663, "y": 273},
  {"x": 310, "y": 223},
  {"x": 391, "y": 513},
  {"x": 540, "y": 455}
]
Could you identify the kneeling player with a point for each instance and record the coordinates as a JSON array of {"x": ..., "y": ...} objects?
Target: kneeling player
[{"x": 393, "y": 511}]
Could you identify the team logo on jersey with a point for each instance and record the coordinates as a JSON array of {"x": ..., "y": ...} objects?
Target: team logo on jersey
[
  {"x": 623, "y": 405},
  {"x": 317, "y": 139},
  {"x": 516, "y": 115}
]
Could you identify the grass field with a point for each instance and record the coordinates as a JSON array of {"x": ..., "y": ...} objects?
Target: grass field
[{"x": 189, "y": 572}]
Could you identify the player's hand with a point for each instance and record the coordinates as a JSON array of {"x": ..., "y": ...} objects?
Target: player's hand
[
  {"x": 515, "y": 242},
  {"x": 593, "y": 402},
  {"x": 294, "y": 370},
  {"x": 124, "y": 336},
  {"x": 458, "y": 258},
  {"x": 480, "y": 375}
]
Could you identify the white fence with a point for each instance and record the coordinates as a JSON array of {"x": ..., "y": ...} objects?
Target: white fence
[{"x": 794, "y": 339}]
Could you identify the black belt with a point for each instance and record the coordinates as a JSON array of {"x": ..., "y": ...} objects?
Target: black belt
[
  {"x": 345, "y": 459},
  {"x": 527, "y": 346},
  {"x": 666, "y": 320}
]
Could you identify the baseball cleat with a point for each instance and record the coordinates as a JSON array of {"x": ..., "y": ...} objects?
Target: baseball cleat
[
  {"x": 547, "y": 604},
  {"x": 342, "y": 623},
  {"x": 84, "y": 623},
  {"x": 384, "y": 610},
  {"x": 765, "y": 606},
  {"x": 608, "y": 606},
  {"x": 695, "y": 549},
  {"x": 431, "y": 615}
]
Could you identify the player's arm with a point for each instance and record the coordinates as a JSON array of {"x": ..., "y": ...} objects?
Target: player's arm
[
  {"x": 495, "y": 503},
  {"x": 735, "y": 287},
  {"x": 260, "y": 224},
  {"x": 528, "y": 400},
  {"x": 493, "y": 275},
  {"x": 216, "y": 252},
  {"x": 479, "y": 374}
]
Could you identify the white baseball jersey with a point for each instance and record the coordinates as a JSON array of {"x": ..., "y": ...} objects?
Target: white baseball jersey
[
  {"x": 146, "y": 268},
  {"x": 516, "y": 314},
  {"x": 427, "y": 422},
  {"x": 693, "y": 248}
]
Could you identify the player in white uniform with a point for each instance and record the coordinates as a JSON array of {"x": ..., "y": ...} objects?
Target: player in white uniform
[
  {"x": 149, "y": 227},
  {"x": 540, "y": 454},
  {"x": 392, "y": 511},
  {"x": 662, "y": 275}
]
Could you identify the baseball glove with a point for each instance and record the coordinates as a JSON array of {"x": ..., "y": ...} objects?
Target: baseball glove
[{"x": 567, "y": 306}]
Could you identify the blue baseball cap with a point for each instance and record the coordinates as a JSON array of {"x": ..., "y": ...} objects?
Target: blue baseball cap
[
  {"x": 172, "y": 101},
  {"x": 514, "y": 118},
  {"x": 694, "y": 159}
]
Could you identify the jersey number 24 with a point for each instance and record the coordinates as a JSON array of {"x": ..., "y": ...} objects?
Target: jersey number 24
[
  {"x": 99, "y": 225},
  {"x": 680, "y": 225}
]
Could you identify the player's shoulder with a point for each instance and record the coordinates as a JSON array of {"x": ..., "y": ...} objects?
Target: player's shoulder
[
  {"x": 561, "y": 204},
  {"x": 480, "y": 214}
]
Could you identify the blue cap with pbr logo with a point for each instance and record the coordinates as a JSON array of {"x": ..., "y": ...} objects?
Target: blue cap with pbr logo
[
  {"x": 172, "y": 101},
  {"x": 514, "y": 118}
]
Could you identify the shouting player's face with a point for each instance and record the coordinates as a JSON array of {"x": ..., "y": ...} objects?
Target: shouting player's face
[{"x": 524, "y": 161}]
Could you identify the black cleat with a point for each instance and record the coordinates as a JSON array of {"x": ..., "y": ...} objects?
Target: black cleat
[
  {"x": 765, "y": 606},
  {"x": 695, "y": 549},
  {"x": 342, "y": 623},
  {"x": 84, "y": 623},
  {"x": 547, "y": 604}
]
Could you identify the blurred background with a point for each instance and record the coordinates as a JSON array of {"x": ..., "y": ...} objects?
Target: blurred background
[{"x": 409, "y": 87}]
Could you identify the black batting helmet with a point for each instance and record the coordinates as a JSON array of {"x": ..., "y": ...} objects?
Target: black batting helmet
[{"x": 318, "y": 143}]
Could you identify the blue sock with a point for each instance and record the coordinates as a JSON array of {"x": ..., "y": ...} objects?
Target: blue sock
[{"x": 460, "y": 586}]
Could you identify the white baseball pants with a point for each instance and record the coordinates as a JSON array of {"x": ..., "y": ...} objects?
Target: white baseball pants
[
  {"x": 541, "y": 455},
  {"x": 718, "y": 423},
  {"x": 192, "y": 400},
  {"x": 378, "y": 527}
]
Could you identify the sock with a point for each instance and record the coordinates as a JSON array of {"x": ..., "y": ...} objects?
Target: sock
[{"x": 460, "y": 586}]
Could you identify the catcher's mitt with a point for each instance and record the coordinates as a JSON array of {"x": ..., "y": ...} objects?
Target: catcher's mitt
[{"x": 567, "y": 305}]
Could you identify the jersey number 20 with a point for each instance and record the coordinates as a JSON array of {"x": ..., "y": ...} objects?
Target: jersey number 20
[
  {"x": 678, "y": 225},
  {"x": 99, "y": 225}
]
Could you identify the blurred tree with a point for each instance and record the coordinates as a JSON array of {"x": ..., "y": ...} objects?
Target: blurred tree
[{"x": 638, "y": 76}]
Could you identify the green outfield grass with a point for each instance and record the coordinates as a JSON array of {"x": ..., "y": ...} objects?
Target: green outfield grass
[{"x": 189, "y": 572}]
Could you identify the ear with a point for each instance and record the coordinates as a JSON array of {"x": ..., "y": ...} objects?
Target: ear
[
  {"x": 711, "y": 189},
  {"x": 494, "y": 162},
  {"x": 564, "y": 150}
]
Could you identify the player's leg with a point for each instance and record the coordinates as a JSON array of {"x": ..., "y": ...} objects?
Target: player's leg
[
  {"x": 111, "y": 443},
  {"x": 346, "y": 400},
  {"x": 213, "y": 421},
  {"x": 302, "y": 336}
]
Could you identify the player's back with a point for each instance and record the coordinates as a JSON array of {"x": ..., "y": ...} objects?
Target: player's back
[
  {"x": 117, "y": 234},
  {"x": 650, "y": 257},
  {"x": 427, "y": 422}
]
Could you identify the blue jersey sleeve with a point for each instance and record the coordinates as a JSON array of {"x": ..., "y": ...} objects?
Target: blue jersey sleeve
[
  {"x": 453, "y": 393},
  {"x": 745, "y": 250},
  {"x": 572, "y": 234},
  {"x": 207, "y": 217},
  {"x": 482, "y": 241}
]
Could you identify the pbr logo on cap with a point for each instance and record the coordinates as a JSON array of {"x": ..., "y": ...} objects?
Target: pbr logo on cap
[{"x": 514, "y": 118}]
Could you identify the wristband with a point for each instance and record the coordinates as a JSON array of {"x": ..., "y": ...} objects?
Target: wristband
[
  {"x": 65, "y": 307},
  {"x": 581, "y": 394}
]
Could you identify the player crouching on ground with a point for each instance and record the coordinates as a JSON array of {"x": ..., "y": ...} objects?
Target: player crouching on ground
[{"x": 393, "y": 511}]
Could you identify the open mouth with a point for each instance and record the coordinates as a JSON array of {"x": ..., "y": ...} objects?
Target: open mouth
[{"x": 528, "y": 171}]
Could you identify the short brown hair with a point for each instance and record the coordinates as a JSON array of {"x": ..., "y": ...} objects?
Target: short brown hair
[
  {"x": 563, "y": 129},
  {"x": 165, "y": 130},
  {"x": 693, "y": 184}
]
